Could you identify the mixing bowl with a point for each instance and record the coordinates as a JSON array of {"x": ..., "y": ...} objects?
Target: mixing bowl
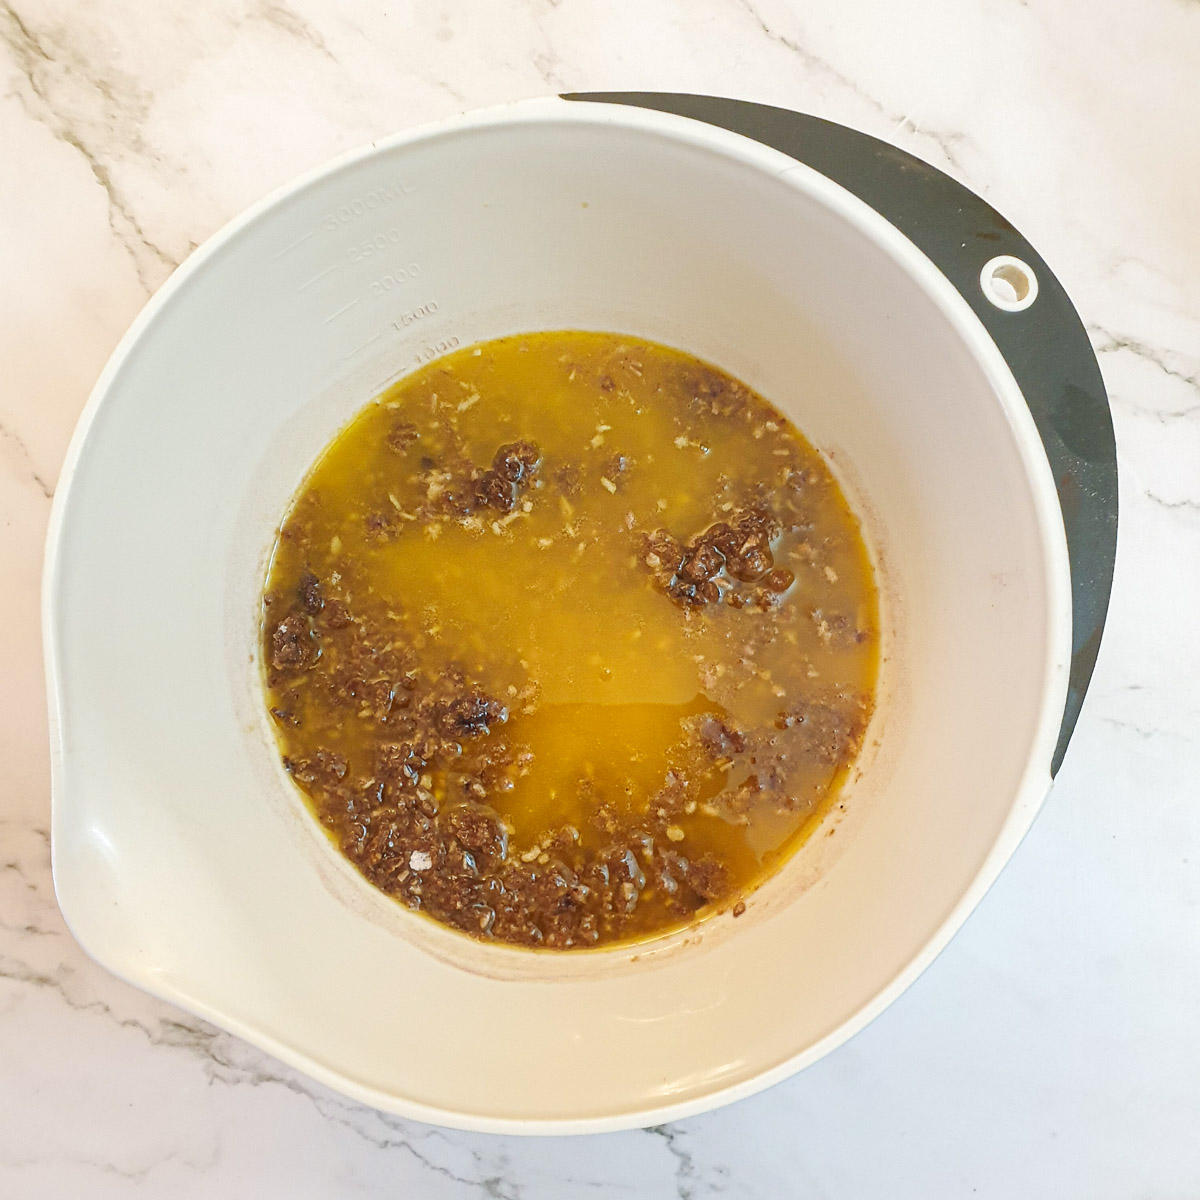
[{"x": 905, "y": 327}]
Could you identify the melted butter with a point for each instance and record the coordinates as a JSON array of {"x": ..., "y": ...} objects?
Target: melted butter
[{"x": 552, "y": 608}]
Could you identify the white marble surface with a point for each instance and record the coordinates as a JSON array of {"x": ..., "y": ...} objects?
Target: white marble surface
[{"x": 1054, "y": 1049}]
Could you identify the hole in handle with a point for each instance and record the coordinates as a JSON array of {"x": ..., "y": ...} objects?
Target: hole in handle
[{"x": 1008, "y": 283}]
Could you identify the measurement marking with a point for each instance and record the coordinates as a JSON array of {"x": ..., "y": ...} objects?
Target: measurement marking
[
  {"x": 319, "y": 275},
  {"x": 299, "y": 241},
  {"x": 333, "y": 316},
  {"x": 363, "y": 346}
]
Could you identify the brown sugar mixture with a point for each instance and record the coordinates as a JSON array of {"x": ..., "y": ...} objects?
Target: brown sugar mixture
[{"x": 569, "y": 639}]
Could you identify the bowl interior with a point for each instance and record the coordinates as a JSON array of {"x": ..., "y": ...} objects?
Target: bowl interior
[{"x": 184, "y": 861}]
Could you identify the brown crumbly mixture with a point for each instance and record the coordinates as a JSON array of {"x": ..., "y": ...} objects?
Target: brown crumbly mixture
[
  {"x": 411, "y": 761},
  {"x": 416, "y": 822}
]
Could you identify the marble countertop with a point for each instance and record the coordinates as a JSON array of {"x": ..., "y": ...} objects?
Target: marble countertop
[{"x": 1054, "y": 1049}]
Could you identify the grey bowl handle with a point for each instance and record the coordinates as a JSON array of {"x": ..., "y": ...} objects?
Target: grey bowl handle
[{"x": 1045, "y": 345}]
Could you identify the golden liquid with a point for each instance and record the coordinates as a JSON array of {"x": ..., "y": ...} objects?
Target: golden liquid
[{"x": 552, "y": 609}]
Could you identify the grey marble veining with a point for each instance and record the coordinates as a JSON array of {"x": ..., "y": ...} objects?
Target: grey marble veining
[{"x": 1054, "y": 1049}]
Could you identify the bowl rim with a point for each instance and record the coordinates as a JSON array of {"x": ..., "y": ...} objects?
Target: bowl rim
[{"x": 1036, "y": 778}]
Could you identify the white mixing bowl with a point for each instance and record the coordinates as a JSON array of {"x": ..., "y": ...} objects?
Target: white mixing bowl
[{"x": 184, "y": 859}]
